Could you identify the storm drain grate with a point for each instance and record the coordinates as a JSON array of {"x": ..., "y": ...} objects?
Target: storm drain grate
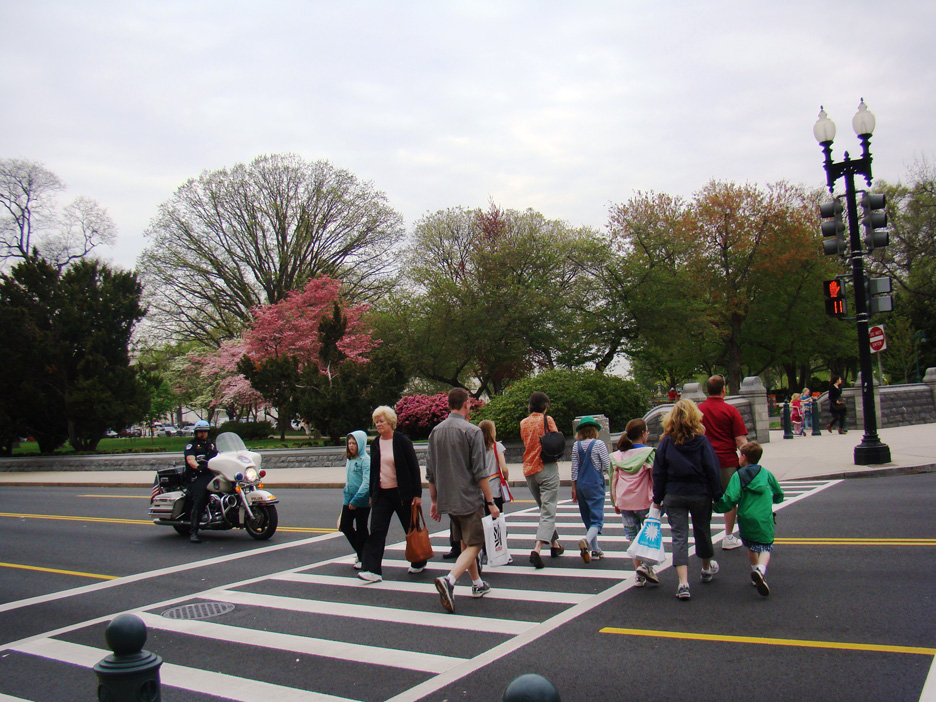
[{"x": 200, "y": 610}]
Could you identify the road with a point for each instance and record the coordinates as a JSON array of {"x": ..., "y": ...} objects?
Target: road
[{"x": 851, "y": 614}]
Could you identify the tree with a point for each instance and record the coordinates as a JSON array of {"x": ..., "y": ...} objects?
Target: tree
[
  {"x": 715, "y": 282},
  {"x": 232, "y": 240},
  {"x": 71, "y": 362},
  {"x": 487, "y": 296},
  {"x": 27, "y": 194}
]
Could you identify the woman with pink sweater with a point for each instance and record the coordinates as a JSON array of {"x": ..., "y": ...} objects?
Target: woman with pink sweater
[{"x": 632, "y": 487}]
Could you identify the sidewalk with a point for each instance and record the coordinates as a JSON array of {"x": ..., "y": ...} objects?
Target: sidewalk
[{"x": 913, "y": 450}]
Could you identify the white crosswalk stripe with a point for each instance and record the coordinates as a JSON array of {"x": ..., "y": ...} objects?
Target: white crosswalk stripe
[{"x": 325, "y": 603}]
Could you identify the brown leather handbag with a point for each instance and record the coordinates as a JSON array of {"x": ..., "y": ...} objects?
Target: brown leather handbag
[{"x": 418, "y": 547}]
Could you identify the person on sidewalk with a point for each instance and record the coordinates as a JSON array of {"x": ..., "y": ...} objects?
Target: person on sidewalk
[
  {"x": 725, "y": 429},
  {"x": 837, "y": 406},
  {"x": 806, "y": 400},
  {"x": 754, "y": 490},
  {"x": 686, "y": 482},
  {"x": 395, "y": 486},
  {"x": 541, "y": 478},
  {"x": 457, "y": 473},
  {"x": 590, "y": 463},
  {"x": 355, "y": 507},
  {"x": 632, "y": 488}
]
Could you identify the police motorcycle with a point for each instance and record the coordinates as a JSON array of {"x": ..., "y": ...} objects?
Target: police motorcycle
[{"x": 236, "y": 499}]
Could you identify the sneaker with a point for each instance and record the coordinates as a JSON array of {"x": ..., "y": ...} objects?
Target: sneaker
[
  {"x": 536, "y": 560},
  {"x": 446, "y": 593},
  {"x": 730, "y": 542},
  {"x": 412, "y": 570},
  {"x": 599, "y": 554},
  {"x": 369, "y": 577},
  {"x": 682, "y": 592},
  {"x": 480, "y": 590},
  {"x": 556, "y": 551},
  {"x": 584, "y": 551},
  {"x": 451, "y": 555},
  {"x": 645, "y": 570},
  {"x": 758, "y": 579},
  {"x": 358, "y": 565},
  {"x": 707, "y": 575},
  {"x": 640, "y": 580}
]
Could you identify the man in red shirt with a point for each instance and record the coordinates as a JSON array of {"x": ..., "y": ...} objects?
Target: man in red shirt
[{"x": 726, "y": 432}]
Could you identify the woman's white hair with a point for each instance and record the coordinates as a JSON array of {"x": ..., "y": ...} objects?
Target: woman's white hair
[{"x": 387, "y": 413}]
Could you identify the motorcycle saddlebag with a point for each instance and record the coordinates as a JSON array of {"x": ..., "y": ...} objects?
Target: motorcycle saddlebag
[{"x": 171, "y": 479}]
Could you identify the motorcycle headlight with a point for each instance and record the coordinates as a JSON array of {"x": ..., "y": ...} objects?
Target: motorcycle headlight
[{"x": 251, "y": 475}]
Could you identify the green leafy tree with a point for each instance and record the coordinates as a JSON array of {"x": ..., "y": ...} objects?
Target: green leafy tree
[{"x": 75, "y": 329}]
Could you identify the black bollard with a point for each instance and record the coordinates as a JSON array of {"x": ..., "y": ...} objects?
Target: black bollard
[
  {"x": 787, "y": 422},
  {"x": 816, "y": 424},
  {"x": 130, "y": 674},
  {"x": 531, "y": 688}
]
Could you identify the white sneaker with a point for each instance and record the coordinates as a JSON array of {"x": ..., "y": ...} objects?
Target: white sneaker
[
  {"x": 358, "y": 565},
  {"x": 369, "y": 577},
  {"x": 413, "y": 569},
  {"x": 730, "y": 542},
  {"x": 707, "y": 575}
]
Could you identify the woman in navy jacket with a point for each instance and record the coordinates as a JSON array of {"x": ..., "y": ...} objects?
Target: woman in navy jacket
[
  {"x": 686, "y": 481},
  {"x": 395, "y": 486}
]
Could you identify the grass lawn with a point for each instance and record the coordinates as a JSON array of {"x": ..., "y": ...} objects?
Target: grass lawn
[{"x": 167, "y": 444}]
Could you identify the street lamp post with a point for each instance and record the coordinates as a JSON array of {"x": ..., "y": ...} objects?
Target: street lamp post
[{"x": 871, "y": 451}]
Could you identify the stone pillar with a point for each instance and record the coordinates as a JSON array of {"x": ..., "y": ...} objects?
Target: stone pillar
[
  {"x": 753, "y": 390},
  {"x": 694, "y": 392},
  {"x": 930, "y": 379}
]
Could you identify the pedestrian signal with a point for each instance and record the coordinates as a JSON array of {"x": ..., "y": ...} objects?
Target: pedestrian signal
[{"x": 834, "y": 298}]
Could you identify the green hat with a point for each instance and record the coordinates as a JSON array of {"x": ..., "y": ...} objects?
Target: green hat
[{"x": 588, "y": 422}]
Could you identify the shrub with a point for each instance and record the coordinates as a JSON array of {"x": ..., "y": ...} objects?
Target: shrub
[
  {"x": 571, "y": 394},
  {"x": 248, "y": 431},
  {"x": 418, "y": 414}
]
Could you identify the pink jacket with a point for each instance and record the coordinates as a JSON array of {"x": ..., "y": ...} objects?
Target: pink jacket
[{"x": 632, "y": 490}]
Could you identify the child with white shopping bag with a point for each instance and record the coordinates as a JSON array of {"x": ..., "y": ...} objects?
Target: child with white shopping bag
[
  {"x": 632, "y": 488},
  {"x": 755, "y": 490}
]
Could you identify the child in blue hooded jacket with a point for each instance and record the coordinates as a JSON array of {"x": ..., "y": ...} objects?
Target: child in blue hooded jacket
[{"x": 356, "y": 508}]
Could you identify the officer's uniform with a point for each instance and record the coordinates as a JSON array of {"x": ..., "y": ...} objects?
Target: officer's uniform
[{"x": 202, "y": 450}]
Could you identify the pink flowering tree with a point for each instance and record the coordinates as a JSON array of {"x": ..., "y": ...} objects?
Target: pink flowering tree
[{"x": 418, "y": 414}]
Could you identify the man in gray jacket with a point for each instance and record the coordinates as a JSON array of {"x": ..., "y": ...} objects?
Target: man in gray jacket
[{"x": 458, "y": 484}]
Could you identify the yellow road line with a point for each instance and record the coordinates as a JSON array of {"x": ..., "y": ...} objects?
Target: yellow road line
[
  {"x": 855, "y": 542},
  {"x": 120, "y": 497},
  {"x": 107, "y": 520},
  {"x": 841, "y": 645},
  {"x": 56, "y": 570}
]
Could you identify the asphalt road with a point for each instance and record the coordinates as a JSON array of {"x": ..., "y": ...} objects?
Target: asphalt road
[{"x": 851, "y": 615}]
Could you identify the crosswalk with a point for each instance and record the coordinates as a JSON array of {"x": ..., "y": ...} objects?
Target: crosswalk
[{"x": 317, "y": 633}]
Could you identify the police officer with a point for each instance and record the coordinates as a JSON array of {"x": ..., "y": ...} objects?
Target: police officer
[{"x": 197, "y": 454}]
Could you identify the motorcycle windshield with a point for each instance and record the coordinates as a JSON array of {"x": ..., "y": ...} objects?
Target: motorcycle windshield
[{"x": 229, "y": 442}]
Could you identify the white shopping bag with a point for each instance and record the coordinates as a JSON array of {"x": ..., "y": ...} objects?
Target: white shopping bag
[
  {"x": 495, "y": 540},
  {"x": 648, "y": 546}
]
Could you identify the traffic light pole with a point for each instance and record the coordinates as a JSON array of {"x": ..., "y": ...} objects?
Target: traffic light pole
[{"x": 871, "y": 451}]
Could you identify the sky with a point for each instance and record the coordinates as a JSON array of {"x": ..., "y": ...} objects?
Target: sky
[{"x": 566, "y": 108}]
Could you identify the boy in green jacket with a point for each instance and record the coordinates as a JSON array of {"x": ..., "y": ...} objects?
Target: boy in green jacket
[{"x": 754, "y": 489}]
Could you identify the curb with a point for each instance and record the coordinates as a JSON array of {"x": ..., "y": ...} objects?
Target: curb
[{"x": 874, "y": 472}]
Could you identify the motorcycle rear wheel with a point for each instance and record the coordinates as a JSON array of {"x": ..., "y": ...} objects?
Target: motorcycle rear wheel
[
  {"x": 181, "y": 530},
  {"x": 264, "y": 523}
]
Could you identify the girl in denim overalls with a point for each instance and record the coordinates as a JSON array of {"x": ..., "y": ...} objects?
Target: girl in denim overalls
[{"x": 590, "y": 463}]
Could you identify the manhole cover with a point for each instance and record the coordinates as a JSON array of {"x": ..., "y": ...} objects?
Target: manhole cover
[{"x": 200, "y": 610}]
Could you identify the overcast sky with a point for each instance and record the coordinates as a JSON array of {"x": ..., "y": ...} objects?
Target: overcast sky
[{"x": 562, "y": 107}]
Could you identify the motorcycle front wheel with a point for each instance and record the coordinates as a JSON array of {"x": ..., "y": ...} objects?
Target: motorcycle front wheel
[
  {"x": 181, "y": 530},
  {"x": 264, "y": 523}
]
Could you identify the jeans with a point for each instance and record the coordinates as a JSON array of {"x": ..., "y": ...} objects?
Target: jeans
[
  {"x": 545, "y": 488},
  {"x": 678, "y": 510}
]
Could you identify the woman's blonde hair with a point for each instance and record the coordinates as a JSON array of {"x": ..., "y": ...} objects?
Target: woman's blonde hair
[
  {"x": 488, "y": 432},
  {"x": 683, "y": 422},
  {"x": 387, "y": 413}
]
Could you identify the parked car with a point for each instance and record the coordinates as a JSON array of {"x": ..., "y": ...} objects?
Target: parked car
[
  {"x": 131, "y": 432},
  {"x": 110, "y": 434},
  {"x": 187, "y": 430},
  {"x": 168, "y": 430}
]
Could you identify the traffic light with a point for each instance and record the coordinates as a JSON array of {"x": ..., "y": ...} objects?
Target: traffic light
[
  {"x": 874, "y": 221},
  {"x": 833, "y": 229},
  {"x": 834, "y": 298},
  {"x": 879, "y": 295}
]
